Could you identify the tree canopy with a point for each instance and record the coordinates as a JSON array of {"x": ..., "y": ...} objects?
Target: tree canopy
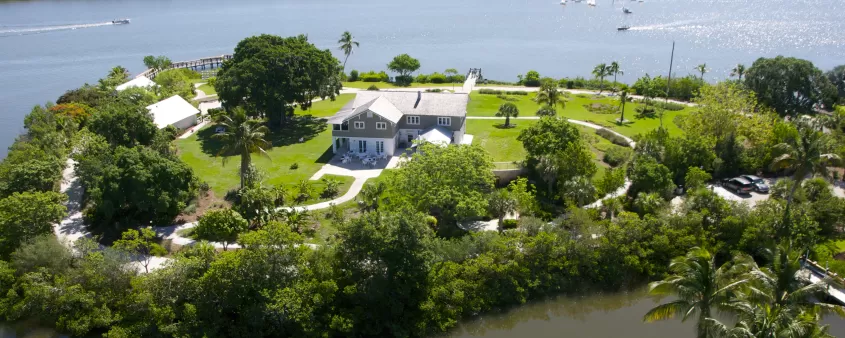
[
  {"x": 789, "y": 85},
  {"x": 270, "y": 76},
  {"x": 404, "y": 64}
]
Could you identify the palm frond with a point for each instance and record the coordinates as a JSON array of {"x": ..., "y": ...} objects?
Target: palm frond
[{"x": 667, "y": 311}]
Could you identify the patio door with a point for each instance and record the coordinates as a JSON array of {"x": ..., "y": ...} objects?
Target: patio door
[
  {"x": 362, "y": 146},
  {"x": 379, "y": 147}
]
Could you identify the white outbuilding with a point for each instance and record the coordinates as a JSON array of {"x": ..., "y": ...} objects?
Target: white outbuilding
[
  {"x": 174, "y": 111},
  {"x": 140, "y": 82}
]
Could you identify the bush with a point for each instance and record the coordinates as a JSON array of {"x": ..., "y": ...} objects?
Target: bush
[
  {"x": 431, "y": 221},
  {"x": 372, "y": 76},
  {"x": 304, "y": 191},
  {"x": 516, "y": 92},
  {"x": 373, "y": 88},
  {"x": 353, "y": 76},
  {"x": 649, "y": 112},
  {"x": 613, "y": 137},
  {"x": 616, "y": 156},
  {"x": 437, "y": 78},
  {"x": 204, "y": 188},
  {"x": 331, "y": 189},
  {"x": 422, "y": 78},
  {"x": 672, "y": 106},
  {"x": 294, "y": 166},
  {"x": 601, "y": 108},
  {"x": 531, "y": 79},
  {"x": 505, "y": 98},
  {"x": 489, "y": 91},
  {"x": 434, "y": 90},
  {"x": 509, "y": 224},
  {"x": 403, "y": 80}
]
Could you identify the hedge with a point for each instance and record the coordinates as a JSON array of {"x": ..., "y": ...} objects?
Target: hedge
[{"x": 612, "y": 137}]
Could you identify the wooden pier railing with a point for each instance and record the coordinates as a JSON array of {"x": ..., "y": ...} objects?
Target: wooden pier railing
[{"x": 209, "y": 62}]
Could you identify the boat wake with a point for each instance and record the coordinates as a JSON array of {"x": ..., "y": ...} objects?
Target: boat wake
[
  {"x": 666, "y": 26},
  {"x": 44, "y": 29}
]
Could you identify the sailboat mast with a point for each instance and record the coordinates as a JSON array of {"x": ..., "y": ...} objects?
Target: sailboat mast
[{"x": 669, "y": 80}]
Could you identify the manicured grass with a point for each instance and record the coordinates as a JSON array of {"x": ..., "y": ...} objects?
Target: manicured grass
[
  {"x": 207, "y": 89},
  {"x": 386, "y": 85},
  {"x": 200, "y": 150},
  {"x": 488, "y": 105},
  {"x": 500, "y": 142}
]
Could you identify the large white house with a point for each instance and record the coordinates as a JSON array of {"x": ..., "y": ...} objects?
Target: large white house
[
  {"x": 379, "y": 122},
  {"x": 174, "y": 111}
]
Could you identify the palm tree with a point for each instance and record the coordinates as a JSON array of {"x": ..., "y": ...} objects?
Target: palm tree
[
  {"x": 243, "y": 136},
  {"x": 507, "y": 110},
  {"x": 623, "y": 98},
  {"x": 738, "y": 71},
  {"x": 615, "y": 70},
  {"x": 370, "y": 196},
  {"x": 548, "y": 167},
  {"x": 549, "y": 95},
  {"x": 699, "y": 286},
  {"x": 600, "y": 71},
  {"x": 347, "y": 45},
  {"x": 702, "y": 68},
  {"x": 805, "y": 155},
  {"x": 501, "y": 204}
]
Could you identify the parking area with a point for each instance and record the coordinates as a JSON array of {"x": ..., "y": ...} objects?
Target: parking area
[{"x": 752, "y": 199}]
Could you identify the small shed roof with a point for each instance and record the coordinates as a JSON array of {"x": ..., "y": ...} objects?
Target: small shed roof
[
  {"x": 171, "y": 110},
  {"x": 437, "y": 135},
  {"x": 141, "y": 81}
]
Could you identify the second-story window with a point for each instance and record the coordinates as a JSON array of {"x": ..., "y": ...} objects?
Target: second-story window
[
  {"x": 413, "y": 120},
  {"x": 381, "y": 125},
  {"x": 444, "y": 121},
  {"x": 359, "y": 124},
  {"x": 342, "y": 126}
]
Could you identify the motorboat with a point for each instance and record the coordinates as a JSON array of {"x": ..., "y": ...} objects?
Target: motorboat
[
  {"x": 626, "y": 10},
  {"x": 591, "y": 3},
  {"x": 120, "y": 21},
  {"x": 563, "y": 2},
  {"x": 623, "y": 28}
]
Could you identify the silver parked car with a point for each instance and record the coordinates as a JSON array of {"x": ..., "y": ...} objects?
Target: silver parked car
[{"x": 759, "y": 184}]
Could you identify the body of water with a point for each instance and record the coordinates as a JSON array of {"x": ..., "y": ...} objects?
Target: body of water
[{"x": 47, "y": 47}]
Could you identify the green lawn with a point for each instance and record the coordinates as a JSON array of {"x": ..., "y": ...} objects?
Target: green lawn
[
  {"x": 488, "y": 105},
  {"x": 199, "y": 151},
  {"x": 207, "y": 89}
]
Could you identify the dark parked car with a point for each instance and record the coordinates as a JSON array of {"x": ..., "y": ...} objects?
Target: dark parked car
[
  {"x": 738, "y": 185},
  {"x": 759, "y": 184}
]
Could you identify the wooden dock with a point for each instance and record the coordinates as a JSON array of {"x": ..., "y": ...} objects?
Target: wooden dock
[{"x": 198, "y": 64}]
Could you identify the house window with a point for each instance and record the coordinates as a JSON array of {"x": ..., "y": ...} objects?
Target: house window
[
  {"x": 413, "y": 120},
  {"x": 379, "y": 147},
  {"x": 359, "y": 124},
  {"x": 444, "y": 121},
  {"x": 342, "y": 126},
  {"x": 362, "y": 146},
  {"x": 381, "y": 125}
]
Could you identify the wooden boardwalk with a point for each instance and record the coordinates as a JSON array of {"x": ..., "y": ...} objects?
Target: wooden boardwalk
[{"x": 209, "y": 62}]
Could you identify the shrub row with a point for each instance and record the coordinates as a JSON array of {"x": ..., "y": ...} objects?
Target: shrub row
[
  {"x": 669, "y": 105},
  {"x": 612, "y": 137},
  {"x": 616, "y": 156},
  {"x": 501, "y": 92}
]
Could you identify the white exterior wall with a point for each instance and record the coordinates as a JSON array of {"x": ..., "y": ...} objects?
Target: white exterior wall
[
  {"x": 389, "y": 144},
  {"x": 186, "y": 123}
]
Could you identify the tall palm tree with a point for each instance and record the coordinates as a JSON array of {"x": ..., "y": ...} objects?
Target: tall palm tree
[
  {"x": 738, "y": 71},
  {"x": 699, "y": 286},
  {"x": 347, "y": 45},
  {"x": 368, "y": 199},
  {"x": 242, "y": 136},
  {"x": 805, "y": 155},
  {"x": 600, "y": 71},
  {"x": 615, "y": 70},
  {"x": 702, "y": 68},
  {"x": 549, "y": 95},
  {"x": 623, "y": 98},
  {"x": 508, "y": 110}
]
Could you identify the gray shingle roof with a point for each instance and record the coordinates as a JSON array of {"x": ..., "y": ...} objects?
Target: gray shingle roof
[{"x": 433, "y": 104}]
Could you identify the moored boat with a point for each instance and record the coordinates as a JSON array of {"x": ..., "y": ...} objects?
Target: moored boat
[{"x": 120, "y": 21}]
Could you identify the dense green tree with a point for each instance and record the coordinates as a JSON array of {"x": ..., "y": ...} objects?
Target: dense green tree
[
  {"x": 836, "y": 76},
  {"x": 221, "y": 225},
  {"x": 507, "y": 110},
  {"x": 116, "y": 76},
  {"x": 600, "y": 72},
  {"x": 24, "y": 216},
  {"x": 242, "y": 136},
  {"x": 549, "y": 95},
  {"x": 87, "y": 94},
  {"x": 501, "y": 204},
  {"x": 177, "y": 82},
  {"x": 700, "y": 286},
  {"x": 613, "y": 179},
  {"x": 647, "y": 175},
  {"x": 790, "y": 86},
  {"x": 138, "y": 186},
  {"x": 160, "y": 62},
  {"x": 142, "y": 245},
  {"x": 370, "y": 197},
  {"x": 532, "y": 79},
  {"x": 270, "y": 76},
  {"x": 347, "y": 44},
  {"x": 696, "y": 178},
  {"x": 124, "y": 127},
  {"x": 450, "y": 182},
  {"x": 386, "y": 258},
  {"x": 547, "y": 136},
  {"x": 404, "y": 64},
  {"x": 43, "y": 251}
]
